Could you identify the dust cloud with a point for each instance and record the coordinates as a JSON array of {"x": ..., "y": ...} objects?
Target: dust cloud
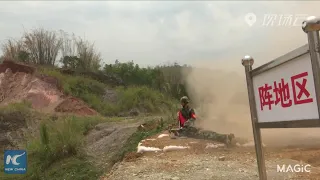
[
  {"x": 220, "y": 95},
  {"x": 220, "y": 99}
]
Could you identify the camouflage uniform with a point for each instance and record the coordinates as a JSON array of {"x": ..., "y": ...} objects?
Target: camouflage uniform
[
  {"x": 193, "y": 132},
  {"x": 189, "y": 130}
]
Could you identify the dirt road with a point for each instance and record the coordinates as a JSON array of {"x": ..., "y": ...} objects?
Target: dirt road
[
  {"x": 201, "y": 162},
  {"x": 106, "y": 139}
]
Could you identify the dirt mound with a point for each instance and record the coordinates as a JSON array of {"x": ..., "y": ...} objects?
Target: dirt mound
[
  {"x": 76, "y": 106},
  {"x": 18, "y": 83},
  {"x": 15, "y": 87},
  {"x": 106, "y": 140},
  {"x": 50, "y": 80},
  {"x": 15, "y": 67}
]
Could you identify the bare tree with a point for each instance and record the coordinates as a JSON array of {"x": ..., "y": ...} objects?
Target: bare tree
[
  {"x": 79, "y": 54},
  {"x": 88, "y": 57},
  {"x": 43, "y": 46},
  {"x": 12, "y": 49},
  {"x": 68, "y": 46}
]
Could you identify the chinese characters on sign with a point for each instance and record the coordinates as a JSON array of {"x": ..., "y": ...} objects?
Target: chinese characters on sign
[{"x": 279, "y": 92}]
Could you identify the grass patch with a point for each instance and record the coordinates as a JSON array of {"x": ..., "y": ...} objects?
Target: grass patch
[
  {"x": 57, "y": 150},
  {"x": 59, "y": 140},
  {"x": 76, "y": 168},
  {"x": 23, "y": 107}
]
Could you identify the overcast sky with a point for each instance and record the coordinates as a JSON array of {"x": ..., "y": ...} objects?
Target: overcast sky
[{"x": 150, "y": 33}]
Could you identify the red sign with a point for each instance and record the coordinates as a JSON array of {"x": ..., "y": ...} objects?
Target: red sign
[{"x": 279, "y": 92}]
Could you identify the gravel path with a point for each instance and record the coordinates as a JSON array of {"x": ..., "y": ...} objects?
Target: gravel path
[
  {"x": 222, "y": 163},
  {"x": 195, "y": 166}
]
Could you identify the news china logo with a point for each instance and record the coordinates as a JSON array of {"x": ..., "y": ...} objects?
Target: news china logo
[{"x": 15, "y": 161}]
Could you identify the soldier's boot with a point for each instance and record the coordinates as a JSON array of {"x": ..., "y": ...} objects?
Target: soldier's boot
[
  {"x": 174, "y": 133},
  {"x": 183, "y": 133}
]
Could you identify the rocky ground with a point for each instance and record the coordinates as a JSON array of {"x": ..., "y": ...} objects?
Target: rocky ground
[
  {"x": 106, "y": 139},
  {"x": 204, "y": 161}
]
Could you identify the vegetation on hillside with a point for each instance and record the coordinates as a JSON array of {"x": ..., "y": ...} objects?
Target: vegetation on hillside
[
  {"x": 55, "y": 150},
  {"x": 142, "y": 98},
  {"x": 58, "y": 48}
]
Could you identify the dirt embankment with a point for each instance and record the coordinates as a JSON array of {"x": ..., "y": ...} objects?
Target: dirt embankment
[
  {"x": 18, "y": 82},
  {"x": 107, "y": 139}
]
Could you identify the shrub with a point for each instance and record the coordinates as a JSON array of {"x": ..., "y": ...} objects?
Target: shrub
[{"x": 142, "y": 98}]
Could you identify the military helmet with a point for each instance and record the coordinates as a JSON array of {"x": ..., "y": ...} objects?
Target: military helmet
[{"x": 184, "y": 99}]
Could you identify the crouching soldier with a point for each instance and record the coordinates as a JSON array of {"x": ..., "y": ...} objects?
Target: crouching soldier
[{"x": 187, "y": 117}]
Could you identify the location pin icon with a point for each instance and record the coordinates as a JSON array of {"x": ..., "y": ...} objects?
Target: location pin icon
[{"x": 250, "y": 18}]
